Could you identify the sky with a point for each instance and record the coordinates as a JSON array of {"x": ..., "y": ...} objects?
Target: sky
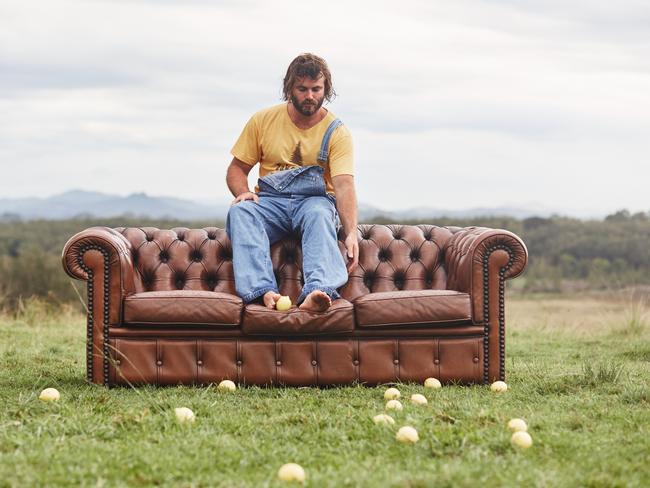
[{"x": 451, "y": 105}]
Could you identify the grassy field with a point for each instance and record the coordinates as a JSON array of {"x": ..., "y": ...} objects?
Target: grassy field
[{"x": 578, "y": 371}]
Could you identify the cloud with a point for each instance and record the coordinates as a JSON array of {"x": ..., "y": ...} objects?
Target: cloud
[{"x": 502, "y": 101}]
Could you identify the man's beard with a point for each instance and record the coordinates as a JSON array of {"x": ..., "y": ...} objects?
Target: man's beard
[{"x": 307, "y": 109}]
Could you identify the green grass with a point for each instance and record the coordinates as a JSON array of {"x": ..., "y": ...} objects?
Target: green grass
[{"x": 577, "y": 370}]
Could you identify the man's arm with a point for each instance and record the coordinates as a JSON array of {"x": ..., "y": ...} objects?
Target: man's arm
[
  {"x": 237, "y": 181},
  {"x": 346, "y": 204}
]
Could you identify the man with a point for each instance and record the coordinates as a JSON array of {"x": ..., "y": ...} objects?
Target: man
[{"x": 306, "y": 184}]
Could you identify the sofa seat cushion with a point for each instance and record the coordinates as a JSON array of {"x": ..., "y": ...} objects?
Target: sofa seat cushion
[
  {"x": 412, "y": 308},
  {"x": 183, "y": 307},
  {"x": 259, "y": 320}
]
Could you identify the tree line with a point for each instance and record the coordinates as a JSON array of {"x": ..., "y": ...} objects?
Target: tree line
[{"x": 564, "y": 252}]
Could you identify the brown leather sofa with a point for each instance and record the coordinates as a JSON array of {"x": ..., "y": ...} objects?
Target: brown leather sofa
[{"x": 425, "y": 301}]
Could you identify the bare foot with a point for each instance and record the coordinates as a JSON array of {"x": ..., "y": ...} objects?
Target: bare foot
[
  {"x": 270, "y": 299},
  {"x": 316, "y": 301}
]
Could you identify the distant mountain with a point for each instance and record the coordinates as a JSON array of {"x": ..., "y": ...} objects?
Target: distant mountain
[
  {"x": 371, "y": 212},
  {"x": 79, "y": 203}
]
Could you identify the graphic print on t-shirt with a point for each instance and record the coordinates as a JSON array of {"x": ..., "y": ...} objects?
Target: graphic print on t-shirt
[{"x": 296, "y": 159}]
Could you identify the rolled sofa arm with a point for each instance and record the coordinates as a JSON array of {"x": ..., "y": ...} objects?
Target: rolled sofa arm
[
  {"x": 478, "y": 261},
  {"x": 102, "y": 257}
]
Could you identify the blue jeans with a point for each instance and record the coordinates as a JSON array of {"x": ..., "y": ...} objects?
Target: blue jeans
[{"x": 290, "y": 201}]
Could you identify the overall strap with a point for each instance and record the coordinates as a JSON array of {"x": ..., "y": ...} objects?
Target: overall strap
[{"x": 323, "y": 154}]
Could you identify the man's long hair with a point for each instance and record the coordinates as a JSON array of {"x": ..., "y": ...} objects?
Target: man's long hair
[{"x": 308, "y": 64}]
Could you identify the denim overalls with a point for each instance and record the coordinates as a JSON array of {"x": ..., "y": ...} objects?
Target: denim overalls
[{"x": 291, "y": 200}]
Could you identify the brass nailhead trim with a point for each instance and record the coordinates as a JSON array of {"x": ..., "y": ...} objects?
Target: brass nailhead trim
[
  {"x": 486, "y": 312},
  {"x": 90, "y": 319}
]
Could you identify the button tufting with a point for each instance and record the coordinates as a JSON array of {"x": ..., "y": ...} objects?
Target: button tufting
[
  {"x": 476, "y": 360},
  {"x": 314, "y": 362},
  {"x": 436, "y": 361},
  {"x": 238, "y": 363},
  {"x": 355, "y": 362},
  {"x": 149, "y": 238},
  {"x": 118, "y": 362},
  {"x": 396, "y": 361},
  {"x": 159, "y": 363},
  {"x": 278, "y": 363},
  {"x": 384, "y": 255},
  {"x": 199, "y": 362},
  {"x": 368, "y": 280}
]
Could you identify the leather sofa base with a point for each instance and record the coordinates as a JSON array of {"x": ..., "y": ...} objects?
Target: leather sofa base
[
  {"x": 295, "y": 362},
  {"x": 163, "y": 331}
]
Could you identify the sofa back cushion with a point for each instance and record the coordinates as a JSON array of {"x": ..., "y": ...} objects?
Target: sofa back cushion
[
  {"x": 181, "y": 259},
  {"x": 398, "y": 257},
  {"x": 391, "y": 257}
]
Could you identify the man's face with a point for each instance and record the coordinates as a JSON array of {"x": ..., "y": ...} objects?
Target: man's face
[{"x": 308, "y": 95}]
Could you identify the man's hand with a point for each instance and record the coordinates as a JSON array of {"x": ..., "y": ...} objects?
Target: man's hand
[
  {"x": 247, "y": 195},
  {"x": 352, "y": 246}
]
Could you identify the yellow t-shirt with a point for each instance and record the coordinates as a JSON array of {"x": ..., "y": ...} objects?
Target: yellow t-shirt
[{"x": 272, "y": 139}]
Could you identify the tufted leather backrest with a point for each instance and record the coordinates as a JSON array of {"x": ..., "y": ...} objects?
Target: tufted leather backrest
[
  {"x": 391, "y": 257},
  {"x": 398, "y": 257}
]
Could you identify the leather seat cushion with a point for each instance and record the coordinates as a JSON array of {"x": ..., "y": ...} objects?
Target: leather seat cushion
[
  {"x": 258, "y": 319},
  {"x": 412, "y": 308},
  {"x": 183, "y": 307}
]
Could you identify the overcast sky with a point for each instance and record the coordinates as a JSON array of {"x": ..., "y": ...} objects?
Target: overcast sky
[{"x": 451, "y": 104}]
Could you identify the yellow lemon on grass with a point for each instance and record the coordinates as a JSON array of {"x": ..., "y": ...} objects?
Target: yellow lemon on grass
[
  {"x": 184, "y": 414},
  {"x": 283, "y": 303},
  {"x": 227, "y": 385},
  {"x": 49, "y": 395},
  {"x": 392, "y": 394},
  {"x": 517, "y": 425},
  {"x": 521, "y": 439},
  {"x": 499, "y": 386},
  {"x": 384, "y": 419},
  {"x": 432, "y": 383},
  {"x": 393, "y": 405},
  {"x": 291, "y": 472},
  {"x": 407, "y": 435},
  {"x": 418, "y": 399}
]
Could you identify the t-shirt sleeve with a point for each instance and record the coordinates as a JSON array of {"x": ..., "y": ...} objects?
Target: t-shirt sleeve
[
  {"x": 247, "y": 147},
  {"x": 341, "y": 161}
]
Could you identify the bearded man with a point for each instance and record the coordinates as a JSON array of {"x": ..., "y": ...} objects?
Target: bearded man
[{"x": 306, "y": 186}]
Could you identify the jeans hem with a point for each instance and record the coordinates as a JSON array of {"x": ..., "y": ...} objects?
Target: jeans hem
[
  {"x": 258, "y": 293},
  {"x": 331, "y": 292}
]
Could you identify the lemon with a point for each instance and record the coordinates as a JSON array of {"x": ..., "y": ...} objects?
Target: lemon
[
  {"x": 407, "y": 435},
  {"x": 50, "y": 395},
  {"x": 392, "y": 394},
  {"x": 418, "y": 399},
  {"x": 432, "y": 383},
  {"x": 227, "y": 385},
  {"x": 283, "y": 303},
  {"x": 291, "y": 472},
  {"x": 184, "y": 414},
  {"x": 521, "y": 439}
]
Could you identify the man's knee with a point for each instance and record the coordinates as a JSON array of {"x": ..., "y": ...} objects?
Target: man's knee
[
  {"x": 241, "y": 210},
  {"x": 238, "y": 215}
]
